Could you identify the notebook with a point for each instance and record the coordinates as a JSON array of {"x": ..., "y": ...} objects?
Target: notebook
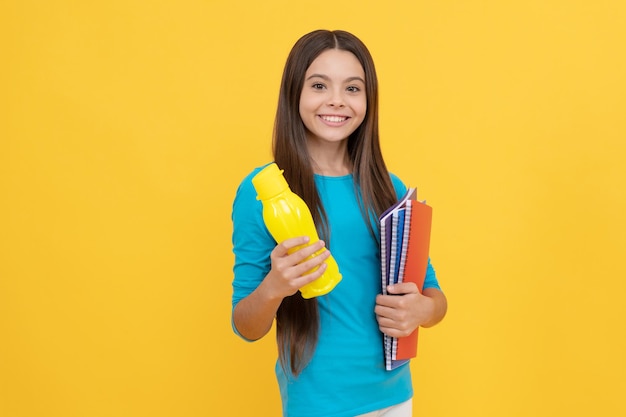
[{"x": 405, "y": 239}]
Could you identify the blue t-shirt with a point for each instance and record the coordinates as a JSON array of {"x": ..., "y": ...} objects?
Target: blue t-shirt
[{"x": 346, "y": 375}]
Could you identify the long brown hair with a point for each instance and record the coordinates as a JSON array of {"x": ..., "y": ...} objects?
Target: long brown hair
[{"x": 297, "y": 319}]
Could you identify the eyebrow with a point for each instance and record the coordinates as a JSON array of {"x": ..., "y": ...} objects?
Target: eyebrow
[{"x": 327, "y": 78}]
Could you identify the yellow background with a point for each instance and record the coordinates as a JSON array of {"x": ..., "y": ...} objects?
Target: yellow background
[{"x": 125, "y": 127}]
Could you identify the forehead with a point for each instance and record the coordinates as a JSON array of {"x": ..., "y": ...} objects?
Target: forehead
[{"x": 336, "y": 63}]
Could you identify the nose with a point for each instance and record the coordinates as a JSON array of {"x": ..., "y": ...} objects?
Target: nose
[{"x": 336, "y": 99}]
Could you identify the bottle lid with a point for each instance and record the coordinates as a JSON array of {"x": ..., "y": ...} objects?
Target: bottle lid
[{"x": 269, "y": 182}]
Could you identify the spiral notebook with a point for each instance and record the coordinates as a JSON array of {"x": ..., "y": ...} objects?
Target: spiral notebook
[{"x": 405, "y": 240}]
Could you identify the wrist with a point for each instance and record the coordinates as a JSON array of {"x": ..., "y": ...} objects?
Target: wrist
[{"x": 268, "y": 295}]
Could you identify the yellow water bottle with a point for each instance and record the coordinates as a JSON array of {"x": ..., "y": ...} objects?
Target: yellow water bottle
[{"x": 286, "y": 215}]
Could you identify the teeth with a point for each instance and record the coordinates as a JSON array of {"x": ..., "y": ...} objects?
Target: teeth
[{"x": 334, "y": 119}]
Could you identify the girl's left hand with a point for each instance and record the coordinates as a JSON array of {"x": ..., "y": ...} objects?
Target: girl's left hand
[{"x": 403, "y": 310}]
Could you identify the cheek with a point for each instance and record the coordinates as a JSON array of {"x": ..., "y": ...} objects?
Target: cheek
[
  {"x": 304, "y": 105},
  {"x": 361, "y": 108},
  {"x": 304, "y": 111},
  {"x": 360, "y": 103}
]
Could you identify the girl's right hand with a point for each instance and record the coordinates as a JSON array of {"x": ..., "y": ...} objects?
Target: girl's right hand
[{"x": 290, "y": 271}]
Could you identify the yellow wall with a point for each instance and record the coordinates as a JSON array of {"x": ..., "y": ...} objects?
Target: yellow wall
[{"x": 125, "y": 127}]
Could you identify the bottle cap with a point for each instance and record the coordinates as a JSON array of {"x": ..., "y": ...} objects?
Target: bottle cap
[{"x": 269, "y": 182}]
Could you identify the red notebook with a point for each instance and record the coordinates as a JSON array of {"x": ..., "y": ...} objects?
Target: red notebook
[{"x": 415, "y": 264}]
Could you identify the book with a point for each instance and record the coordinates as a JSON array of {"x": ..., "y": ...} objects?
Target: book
[{"x": 405, "y": 240}]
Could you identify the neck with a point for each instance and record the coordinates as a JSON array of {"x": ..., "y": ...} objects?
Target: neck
[
  {"x": 331, "y": 171},
  {"x": 331, "y": 159}
]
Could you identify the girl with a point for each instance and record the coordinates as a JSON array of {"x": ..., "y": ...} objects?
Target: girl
[{"x": 331, "y": 361}]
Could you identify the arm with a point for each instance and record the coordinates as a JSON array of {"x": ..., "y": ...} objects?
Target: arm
[
  {"x": 440, "y": 306},
  {"x": 405, "y": 309},
  {"x": 253, "y": 315}
]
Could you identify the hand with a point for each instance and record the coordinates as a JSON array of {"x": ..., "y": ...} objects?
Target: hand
[
  {"x": 292, "y": 271},
  {"x": 401, "y": 312}
]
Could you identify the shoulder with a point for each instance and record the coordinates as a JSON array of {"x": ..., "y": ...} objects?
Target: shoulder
[
  {"x": 245, "y": 201},
  {"x": 245, "y": 186},
  {"x": 398, "y": 184}
]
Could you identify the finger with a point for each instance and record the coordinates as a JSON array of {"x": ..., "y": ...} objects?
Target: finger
[
  {"x": 291, "y": 243},
  {"x": 395, "y": 313},
  {"x": 402, "y": 288},
  {"x": 393, "y": 332},
  {"x": 385, "y": 323},
  {"x": 305, "y": 279},
  {"x": 391, "y": 301},
  {"x": 291, "y": 267},
  {"x": 385, "y": 312},
  {"x": 394, "y": 325},
  {"x": 285, "y": 247},
  {"x": 305, "y": 252},
  {"x": 303, "y": 268}
]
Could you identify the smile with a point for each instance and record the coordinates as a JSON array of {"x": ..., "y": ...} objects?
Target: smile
[{"x": 334, "y": 119}]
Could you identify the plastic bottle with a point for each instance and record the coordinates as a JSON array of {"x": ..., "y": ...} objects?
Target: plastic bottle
[{"x": 286, "y": 215}]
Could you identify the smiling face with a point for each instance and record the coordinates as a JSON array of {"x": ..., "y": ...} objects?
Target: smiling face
[{"x": 333, "y": 99}]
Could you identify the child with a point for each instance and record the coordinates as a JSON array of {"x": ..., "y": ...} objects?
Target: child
[{"x": 331, "y": 361}]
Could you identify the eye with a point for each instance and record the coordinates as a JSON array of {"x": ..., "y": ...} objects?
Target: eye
[
  {"x": 353, "y": 89},
  {"x": 318, "y": 86}
]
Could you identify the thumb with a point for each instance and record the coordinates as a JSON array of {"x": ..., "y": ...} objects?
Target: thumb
[{"x": 402, "y": 288}]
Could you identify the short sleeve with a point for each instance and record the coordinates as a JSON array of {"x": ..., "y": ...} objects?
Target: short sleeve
[
  {"x": 430, "y": 281},
  {"x": 398, "y": 185}
]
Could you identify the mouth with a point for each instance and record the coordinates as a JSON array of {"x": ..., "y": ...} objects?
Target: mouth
[{"x": 333, "y": 119}]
